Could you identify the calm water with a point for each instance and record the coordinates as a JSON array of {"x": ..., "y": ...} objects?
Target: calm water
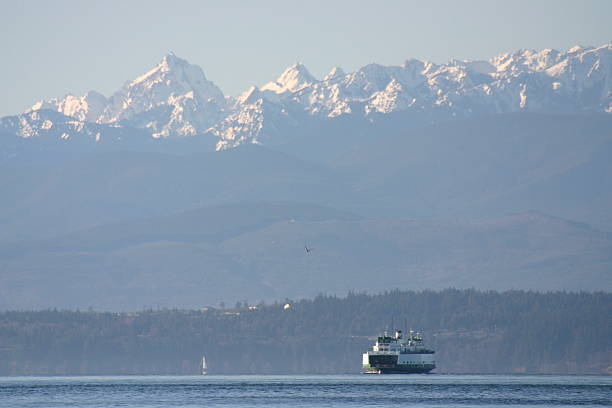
[{"x": 434, "y": 390}]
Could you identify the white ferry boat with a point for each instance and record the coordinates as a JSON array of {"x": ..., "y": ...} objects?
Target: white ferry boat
[{"x": 398, "y": 355}]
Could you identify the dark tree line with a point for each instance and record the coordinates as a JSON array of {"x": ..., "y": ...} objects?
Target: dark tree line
[{"x": 472, "y": 332}]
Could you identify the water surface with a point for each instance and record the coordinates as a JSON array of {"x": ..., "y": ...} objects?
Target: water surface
[{"x": 432, "y": 390}]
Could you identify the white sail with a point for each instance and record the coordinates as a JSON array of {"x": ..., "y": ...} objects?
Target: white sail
[{"x": 204, "y": 366}]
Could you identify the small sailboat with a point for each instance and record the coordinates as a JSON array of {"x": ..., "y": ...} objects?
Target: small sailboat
[{"x": 204, "y": 367}]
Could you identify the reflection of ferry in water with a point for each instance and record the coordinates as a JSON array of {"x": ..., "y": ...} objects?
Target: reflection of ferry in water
[{"x": 398, "y": 355}]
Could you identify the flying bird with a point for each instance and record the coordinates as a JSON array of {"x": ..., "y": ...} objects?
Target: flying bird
[{"x": 307, "y": 249}]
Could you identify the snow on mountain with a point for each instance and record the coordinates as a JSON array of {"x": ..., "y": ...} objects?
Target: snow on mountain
[
  {"x": 244, "y": 125},
  {"x": 49, "y": 124},
  {"x": 174, "y": 98},
  {"x": 578, "y": 80},
  {"x": 585, "y": 76},
  {"x": 255, "y": 119},
  {"x": 44, "y": 122},
  {"x": 547, "y": 80},
  {"x": 88, "y": 107},
  {"x": 526, "y": 80},
  {"x": 335, "y": 72},
  {"x": 250, "y": 96},
  {"x": 522, "y": 60},
  {"x": 258, "y": 114},
  {"x": 393, "y": 98},
  {"x": 293, "y": 79}
]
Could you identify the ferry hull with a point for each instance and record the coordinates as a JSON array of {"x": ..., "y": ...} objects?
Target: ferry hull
[{"x": 398, "y": 369}]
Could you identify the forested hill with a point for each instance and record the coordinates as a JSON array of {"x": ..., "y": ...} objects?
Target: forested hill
[{"x": 471, "y": 331}]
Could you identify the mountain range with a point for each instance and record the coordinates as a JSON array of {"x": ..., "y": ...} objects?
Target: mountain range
[
  {"x": 489, "y": 174},
  {"x": 175, "y": 99}
]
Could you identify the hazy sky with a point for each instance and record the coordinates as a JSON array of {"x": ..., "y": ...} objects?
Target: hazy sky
[{"x": 51, "y": 48}]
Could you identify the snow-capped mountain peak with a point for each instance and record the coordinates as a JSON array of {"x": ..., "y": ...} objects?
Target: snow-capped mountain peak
[
  {"x": 171, "y": 59},
  {"x": 250, "y": 96},
  {"x": 168, "y": 63},
  {"x": 172, "y": 98},
  {"x": 167, "y": 82},
  {"x": 292, "y": 79},
  {"x": 184, "y": 101},
  {"x": 174, "y": 68},
  {"x": 335, "y": 73}
]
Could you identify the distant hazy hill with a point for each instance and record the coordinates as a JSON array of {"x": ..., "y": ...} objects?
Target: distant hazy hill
[
  {"x": 557, "y": 164},
  {"x": 256, "y": 251},
  {"x": 49, "y": 199},
  {"x": 380, "y": 211},
  {"x": 488, "y": 166}
]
